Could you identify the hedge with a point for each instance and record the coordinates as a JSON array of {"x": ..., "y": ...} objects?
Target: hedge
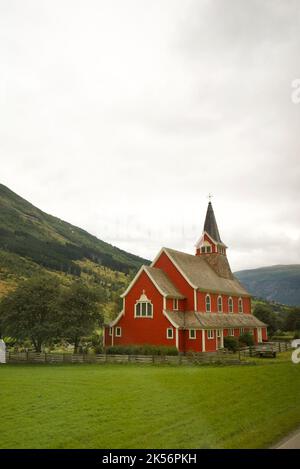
[{"x": 144, "y": 349}]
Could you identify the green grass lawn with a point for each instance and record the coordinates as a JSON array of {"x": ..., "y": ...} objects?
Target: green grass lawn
[{"x": 132, "y": 406}]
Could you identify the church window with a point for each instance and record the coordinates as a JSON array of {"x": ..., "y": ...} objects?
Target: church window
[
  {"x": 220, "y": 304},
  {"x": 231, "y": 332},
  {"x": 207, "y": 304},
  {"x": 230, "y": 305},
  {"x": 240, "y": 305},
  {"x": 143, "y": 307},
  {"x": 175, "y": 304}
]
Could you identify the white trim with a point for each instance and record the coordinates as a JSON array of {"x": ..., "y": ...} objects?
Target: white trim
[
  {"x": 118, "y": 331},
  {"x": 115, "y": 321},
  {"x": 175, "y": 304},
  {"x": 140, "y": 302},
  {"x": 170, "y": 320},
  {"x": 195, "y": 300},
  {"x": 164, "y": 250},
  {"x": 195, "y": 332},
  {"x": 231, "y": 332},
  {"x": 164, "y": 303},
  {"x": 230, "y": 298},
  {"x": 170, "y": 329},
  {"x": 177, "y": 338},
  {"x": 112, "y": 337},
  {"x": 210, "y": 334},
  {"x": 133, "y": 281},
  {"x": 259, "y": 335},
  {"x": 203, "y": 340}
]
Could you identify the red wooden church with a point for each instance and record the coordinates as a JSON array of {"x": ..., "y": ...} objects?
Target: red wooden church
[{"x": 188, "y": 301}]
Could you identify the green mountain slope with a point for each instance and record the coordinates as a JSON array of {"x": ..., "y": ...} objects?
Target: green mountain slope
[
  {"x": 280, "y": 283},
  {"x": 32, "y": 241}
]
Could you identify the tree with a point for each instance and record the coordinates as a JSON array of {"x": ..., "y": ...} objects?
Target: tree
[
  {"x": 267, "y": 315},
  {"x": 292, "y": 322},
  {"x": 79, "y": 313},
  {"x": 30, "y": 311}
]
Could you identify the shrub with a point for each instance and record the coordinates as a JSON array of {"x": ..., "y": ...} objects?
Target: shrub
[
  {"x": 143, "y": 349},
  {"x": 246, "y": 339},
  {"x": 231, "y": 343},
  {"x": 283, "y": 338}
]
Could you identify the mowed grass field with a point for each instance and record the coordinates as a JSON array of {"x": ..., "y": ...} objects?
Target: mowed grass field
[{"x": 131, "y": 406}]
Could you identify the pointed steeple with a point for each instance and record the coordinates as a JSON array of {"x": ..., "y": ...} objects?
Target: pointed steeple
[{"x": 210, "y": 224}]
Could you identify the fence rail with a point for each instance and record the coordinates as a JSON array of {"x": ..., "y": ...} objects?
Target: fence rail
[{"x": 222, "y": 356}]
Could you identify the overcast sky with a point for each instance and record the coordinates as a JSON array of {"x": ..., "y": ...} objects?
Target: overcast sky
[{"x": 120, "y": 116}]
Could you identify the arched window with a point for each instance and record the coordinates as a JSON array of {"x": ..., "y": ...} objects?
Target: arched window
[
  {"x": 240, "y": 305},
  {"x": 230, "y": 305},
  {"x": 220, "y": 304},
  {"x": 207, "y": 304}
]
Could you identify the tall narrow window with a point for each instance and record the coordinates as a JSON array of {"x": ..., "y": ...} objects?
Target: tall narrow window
[
  {"x": 230, "y": 305},
  {"x": 240, "y": 305},
  {"x": 231, "y": 332},
  {"x": 220, "y": 304},
  {"x": 175, "y": 304},
  {"x": 207, "y": 304},
  {"x": 170, "y": 333},
  {"x": 210, "y": 334}
]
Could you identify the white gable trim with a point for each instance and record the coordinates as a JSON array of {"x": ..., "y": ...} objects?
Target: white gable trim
[
  {"x": 133, "y": 281},
  {"x": 174, "y": 263},
  {"x": 115, "y": 321},
  {"x": 170, "y": 320}
]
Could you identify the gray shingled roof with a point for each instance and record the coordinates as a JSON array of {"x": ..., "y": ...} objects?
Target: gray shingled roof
[
  {"x": 203, "y": 276},
  {"x": 210, "y": 224},
  {"x": 195, "y": 320},
  {"x": 164, "y": 283}
]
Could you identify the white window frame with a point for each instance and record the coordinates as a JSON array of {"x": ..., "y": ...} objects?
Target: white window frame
[
  {"x": 207, "y": 296},
  {"x": 168, "y": 330},
  {"x": 230, "y": 300},
  {"x": 118, "y": 332},
  {"x": 110, "y": 333},
  {"x": 240, "y": 305},
  {"x": 140, "y": 316},
  {"x": 210, "y": 334},
  {"x": 190, "y": 334},
  {"x": 220, "y": 298},
  {"x": 219, "y": 333},
  {"x": 231, "y": 332},
  {"x": 242, "y": 330},
  {"x": 175, "y": 304}
]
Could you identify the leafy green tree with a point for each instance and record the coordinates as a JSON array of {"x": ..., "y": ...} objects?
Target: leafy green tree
[
  {"x": 267, "y": 315},
  {"x": 292, "y": 322},
  {"x": 30, "y": 311},
  {"x": 79, "y": 312},
  {"x": 246, "y": 339}
]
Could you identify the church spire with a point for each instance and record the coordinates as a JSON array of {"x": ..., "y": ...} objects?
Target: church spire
[
  {"x": 210, "y": 224},
  {"x": 210, "y": 241}
]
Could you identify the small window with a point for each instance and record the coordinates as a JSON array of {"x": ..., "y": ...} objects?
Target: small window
[
  {"x": 242, "y": 330},
  {"x": 203, "y": 249},
  {"x": 192, "y": 334},
  {"x": 220, "y": 304},
  {"x": 118, "y": 331},
  {"x": 208, "y": 249},
  {"x": 170, "y": 333},
  {"x": 210, "y": 334},
  {"x": 110, "y": 331},
  {"x": 231, "y": 332},
  {"x": 219, "y": 333},
  {"x": 240, "y": 305},
  {"x": 230, "y": 305},
  {"x": 207, "y": 303},
  {"x": 175, "y": 304}
]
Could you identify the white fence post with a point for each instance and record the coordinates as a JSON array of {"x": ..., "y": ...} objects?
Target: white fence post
[{"x": 2, "y": 351}]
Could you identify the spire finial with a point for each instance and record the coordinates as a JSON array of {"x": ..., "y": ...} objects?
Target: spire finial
[{"x": 210, "y": 196}]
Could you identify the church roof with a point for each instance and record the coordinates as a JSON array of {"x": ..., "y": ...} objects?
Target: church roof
[
  {"x": 163, "y": 282},
  {"x": 195, "y": 320},
  {"x": 210, "y": 224},
  {"x": 198, "y": 272}
]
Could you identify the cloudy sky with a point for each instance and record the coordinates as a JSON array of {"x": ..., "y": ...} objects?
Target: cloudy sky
[{"x": 120, "y": 116}]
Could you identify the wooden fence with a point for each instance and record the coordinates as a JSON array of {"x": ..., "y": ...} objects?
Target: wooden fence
[
  {"x": 220, "y": 357},
  {"x": 273, "y": 346}
]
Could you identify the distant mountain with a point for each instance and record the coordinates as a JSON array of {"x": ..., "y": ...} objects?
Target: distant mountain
[
  {"x": 280, "y": 283},
  {"x": 33, "y": 241}
]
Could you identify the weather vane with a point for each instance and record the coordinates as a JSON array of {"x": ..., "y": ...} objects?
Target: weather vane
[{"x": 210, "y": 196}]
